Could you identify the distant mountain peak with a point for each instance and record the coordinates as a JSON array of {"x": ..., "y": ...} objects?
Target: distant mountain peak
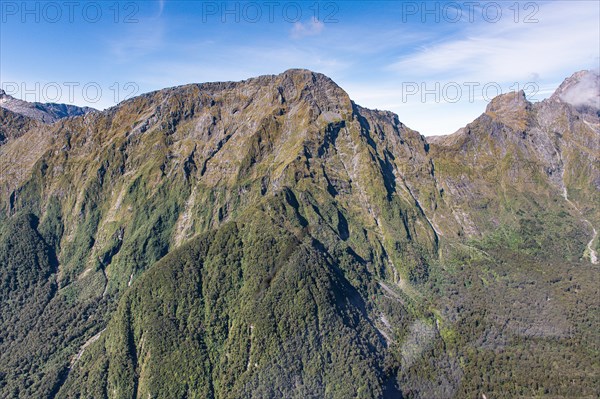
[
  {"x": 581, "y": 90},
  {"x": 43, "y": 112}
]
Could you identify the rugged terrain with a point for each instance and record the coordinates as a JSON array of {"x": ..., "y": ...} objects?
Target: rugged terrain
[
  {"x": 271, "y": 238},
  {"x": 43, "y": 112}
]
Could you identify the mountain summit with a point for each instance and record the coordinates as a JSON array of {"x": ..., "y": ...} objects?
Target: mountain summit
[
  {"x": 581, "y": 90},
  {"x": 271, "y": 238}
]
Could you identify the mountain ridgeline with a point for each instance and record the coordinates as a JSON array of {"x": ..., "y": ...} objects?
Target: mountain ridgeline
[
  {"x": 270, "y": 238},
  {"x": 43, "y": 112}
]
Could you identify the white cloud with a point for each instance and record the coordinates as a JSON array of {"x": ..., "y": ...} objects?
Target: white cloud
[
  {"x": 585, "y": 92},
  {"x": 566, "y": 35},
  {"x": 564, "y": 41},
  {"x": 161, "y": 7},
  {"x": 383, "y": 54},
  {"x": 312, "y": 28},
  {"x": 137, "y": 42}
]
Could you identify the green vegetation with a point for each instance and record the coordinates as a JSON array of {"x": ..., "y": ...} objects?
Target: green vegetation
[
  {"x": 249, "y": 311},
  {"x": 271, "y": 239}
]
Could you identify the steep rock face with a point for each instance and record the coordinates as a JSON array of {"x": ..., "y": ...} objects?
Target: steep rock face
[
  {"x": 124, "y": 187},
  {"x": 13, "y": 125},
  {"x": 272, "y": 238},
  {"x": 520, "y": 157},
  {"x": 224, "y": 146}
]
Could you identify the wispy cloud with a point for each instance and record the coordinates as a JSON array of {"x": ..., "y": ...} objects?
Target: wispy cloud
[
  {"x": 586, "y": 92},
  {"x": 371, "y": 51},
  {"x": 198, "y": 68},
  {"x": 566, "y": 34},
  {"x": 312, "y": 28},
  {"x": 138, "y": 41},
  {"x": 142, "y": 38}
]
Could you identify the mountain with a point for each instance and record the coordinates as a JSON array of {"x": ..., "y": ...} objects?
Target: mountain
[
  {"x": 582, "y": 91},
  {"x": 271, "y": 238},
  {"x": 13, "y": 125},
  {"x": 46, "y": 113}
]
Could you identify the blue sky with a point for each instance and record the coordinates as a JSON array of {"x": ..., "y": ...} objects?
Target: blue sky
[{"x": 434, "y": 63}]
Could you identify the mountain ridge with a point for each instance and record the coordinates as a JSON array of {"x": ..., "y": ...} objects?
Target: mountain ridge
[
  {"x": 272, "y": 238},
  {"x": 43, "y": 112}
]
